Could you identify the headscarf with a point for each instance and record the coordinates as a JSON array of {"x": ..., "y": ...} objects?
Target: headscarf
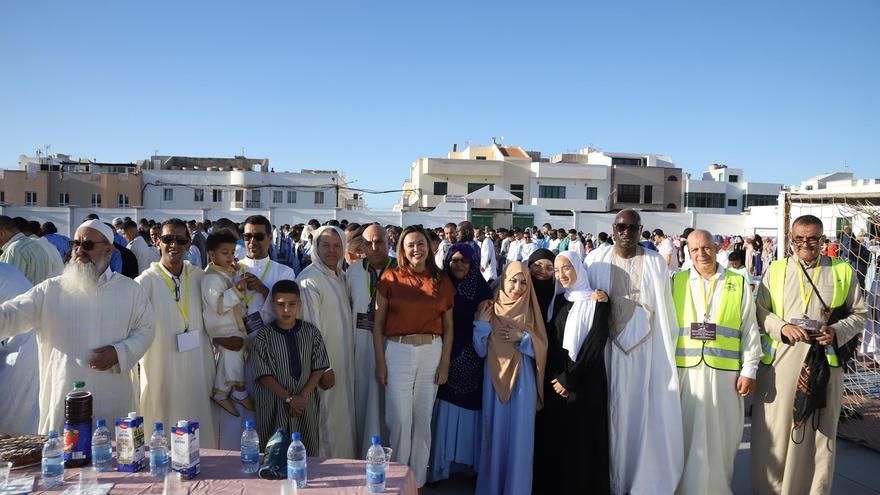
[
  {"x": 473, "y": 287},
  {"x": 580, "y": 317},
  {"x": 545, "y": 290},
  {"x": 516, "y": 314},
  {"x": 317, "y": 234}
]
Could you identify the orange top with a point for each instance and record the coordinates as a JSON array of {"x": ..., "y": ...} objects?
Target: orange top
[{"x": 416, "y": 302}]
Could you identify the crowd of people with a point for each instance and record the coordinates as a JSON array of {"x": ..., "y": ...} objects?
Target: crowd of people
[{"x": 535, "y": 360}]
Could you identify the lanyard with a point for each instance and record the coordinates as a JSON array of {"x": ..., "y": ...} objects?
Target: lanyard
[
  {"x": 806, "y": 296},
  {"x": 370, "y": 289},
  {"x": 706, "y": 297},
  {"x": 253, "y": 294},
  {"x": 183, "y": 308}
]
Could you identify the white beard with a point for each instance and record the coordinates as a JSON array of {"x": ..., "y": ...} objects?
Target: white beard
[{"x": 81, "y": 279}]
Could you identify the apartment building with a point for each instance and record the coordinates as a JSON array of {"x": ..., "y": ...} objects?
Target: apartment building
[{"x": 723, "y": 189}]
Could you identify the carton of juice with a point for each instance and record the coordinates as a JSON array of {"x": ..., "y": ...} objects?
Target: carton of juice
[
  {"x": 185, "y": 449},
  {"x": 130, "y": 455}
]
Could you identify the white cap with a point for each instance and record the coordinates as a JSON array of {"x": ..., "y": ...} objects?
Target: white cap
[
  {"x": 132, "y": 415},
  {"x": 117, "y": 220},
  {"x": 182, "y": 423},
  {"x": 101, "y": 227}
]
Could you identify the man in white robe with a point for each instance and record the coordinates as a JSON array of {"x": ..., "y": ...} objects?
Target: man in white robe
[
  {"x": 488, "y": 264},
  {"x": 645, "y": 423},
  {"x": 326, "y": 304},
  {"x": 712, "y": 396},
  {"x": 259, "y": 274},
  {"x": 19, "y": 366},
  {"x": 177, "y": 372},
  {"x": 361, "y": 279},
  {"x": 138, "y": 246},
  {"x": 91, "y": 323}
]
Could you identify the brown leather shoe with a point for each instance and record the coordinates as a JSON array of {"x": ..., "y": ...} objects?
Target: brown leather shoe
[
  {"x": 227, "y": 405},
  {"x": 247, "y": 402}
]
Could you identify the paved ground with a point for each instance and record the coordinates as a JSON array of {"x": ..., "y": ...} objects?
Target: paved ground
[{"x": 857, "y": 472}]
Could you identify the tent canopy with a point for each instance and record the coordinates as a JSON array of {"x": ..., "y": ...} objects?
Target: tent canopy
[{"x": 492, "y": 193}]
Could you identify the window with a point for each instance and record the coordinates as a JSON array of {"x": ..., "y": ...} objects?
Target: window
[
  {"x": 476, "y": 186},
  {"x": 239, "y": 195},
  {"x": 217, "y": 195},
  {"x": 123, "y": 200},
  {"x": 96, "y": 200},
  {"x": 481, "y": 157},
  {"x": 809, "y": 188},
  {"x": 30, "y": 198},
  {"x": 672, "y": 178},
  {"x": 552, "y": 192},
  {"x": 63, "y": 199},
  {"x": 649, "y": 194},
  {"x": 441, "y": 188},
  {"x": 628, "y": 193},
  {"x": 198, "y": 195},
  {"x": 759, "y": 200},
  {"x": 517, "y": 190},
  {"x": 291, "y": 196},
  {"x": 277, "y": 196},
  {"x": 704, "y": 200},
  {"x": 733, "y": 178},
  {"x": 671, "y": 206},
  {"x": 167, "y": 194},
  {"x": 319, "y": 197},
  {"x": 592, "y": 192},
  {"x": 731, "y": 202},
  {"x": 2, "y": 196},
  {"x": 632, "y": 162}
]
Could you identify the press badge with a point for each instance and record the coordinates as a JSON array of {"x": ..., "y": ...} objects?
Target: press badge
[
  {"x": 188, "y": 341},
  {"x": 253, "y": 322},
  {"x": 809, "y": 325},
  {"x": 702, "y": 331},
  {"x": 364, "y": 321}
]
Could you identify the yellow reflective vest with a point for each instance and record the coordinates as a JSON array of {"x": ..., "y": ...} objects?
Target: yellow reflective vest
[
  {"x": 723, "y": 353},
  {"x": 776, "y": 281}
]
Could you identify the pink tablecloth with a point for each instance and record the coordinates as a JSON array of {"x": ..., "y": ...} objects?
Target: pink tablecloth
[{"x": 221, "y": 474}]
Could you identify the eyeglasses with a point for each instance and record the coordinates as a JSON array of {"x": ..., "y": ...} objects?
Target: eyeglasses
[
  {"x": 259, "y": 236},
  {"x": 623, "y": 227},
  {"x": 812, "y": 241},
  {"x": 87, "y": 245},
  {"x": 459, "y": 261},
  {"x": 179, "y": 239}
]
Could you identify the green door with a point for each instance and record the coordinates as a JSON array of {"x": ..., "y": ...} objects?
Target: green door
[
  {"x": 522, "y": 220},
  {"x": 481, "y": 220}
]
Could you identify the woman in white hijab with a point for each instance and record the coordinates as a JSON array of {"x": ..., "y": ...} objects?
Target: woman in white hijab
[{"x": 576, "y": 413}]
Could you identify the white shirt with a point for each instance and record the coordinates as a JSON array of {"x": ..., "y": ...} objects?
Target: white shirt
[{"x": 667, "y": 249}]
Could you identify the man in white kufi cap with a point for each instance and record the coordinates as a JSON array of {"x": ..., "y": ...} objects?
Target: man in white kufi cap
[{"x": 92, "y": 325}]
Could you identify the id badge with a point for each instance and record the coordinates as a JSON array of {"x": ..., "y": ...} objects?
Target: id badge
[
  {"x": 702, "y": 331},
  {"x": 188, "y": 341},
  {"x": 253, "y": 322},
  {"x": 809, "y": 325},
  {"x": 365, "y": 321}
]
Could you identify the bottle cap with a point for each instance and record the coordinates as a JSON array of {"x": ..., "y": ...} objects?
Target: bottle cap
[
  {"x": 295, "y": 436},
  {"x": 158, "y": 426},
  {"x": 79, "y": 384},
  {"x": 132, "y": 415},
  {"x": 182, "y": 423},
  {"x": 53, "y": 434},
  {"x": 375, "y": 440},
  {"x": 249, "y": 423},
  {"x": 101, "y": 423}
]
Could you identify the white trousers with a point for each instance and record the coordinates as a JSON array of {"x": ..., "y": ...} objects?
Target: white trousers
[
  {"x": 230, "y": 370},
  {"x": 409, "y": 402}
]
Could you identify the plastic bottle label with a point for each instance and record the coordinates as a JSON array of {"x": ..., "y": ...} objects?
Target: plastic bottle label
[
  {"x": 158, "y": 459},
  {"x": 375, "y": 477},
  {"x": 51, "y": 469},
  {"x": 250, "y": 456},
  {"x": 77, "y": 441},
  {"x": 296, "y": 473}
]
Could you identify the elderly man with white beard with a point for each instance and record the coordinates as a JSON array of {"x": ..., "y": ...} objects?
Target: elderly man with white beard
[{"x": 92, "y": 324}]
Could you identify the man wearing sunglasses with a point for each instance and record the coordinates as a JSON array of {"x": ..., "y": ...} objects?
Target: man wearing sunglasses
[
  {"x": 647, "y": 440},
  {"x": 259, "y": 273},
  {"x": 178, "y": 369},
  {"x": 92, "y": 324}
]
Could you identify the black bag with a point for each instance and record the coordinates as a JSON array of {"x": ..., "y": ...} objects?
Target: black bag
[
  {"x": 812, "y": 386},
  {"x": 846, "y": 351},
  {"x": 274, "y": 465}
]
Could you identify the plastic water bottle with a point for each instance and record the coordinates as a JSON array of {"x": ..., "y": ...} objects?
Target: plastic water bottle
[
  {"x": 250, "y": 449},
  {"x": 158, "y": 452},
  {"x": 296, "y": 461},
  {"x": 376, "y": 466},
  {"x": 102, "y": 447},
  {"x": 53, "y": 461}
]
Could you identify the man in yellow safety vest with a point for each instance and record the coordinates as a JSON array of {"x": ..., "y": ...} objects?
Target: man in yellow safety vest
[
  {"x": 804, "y": 299},
  {"x": 717, "y": 355}
]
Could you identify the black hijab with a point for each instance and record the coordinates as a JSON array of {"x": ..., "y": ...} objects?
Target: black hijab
[{"x": 545, "y": 290}]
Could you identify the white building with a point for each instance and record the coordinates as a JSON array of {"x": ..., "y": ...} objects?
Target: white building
[
  {"x": 568, "y": 183},
  {"x": 724, "y": 190}
]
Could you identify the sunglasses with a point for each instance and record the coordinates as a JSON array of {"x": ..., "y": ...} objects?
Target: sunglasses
[
  {"x": 623, "y": 227},
  {"x": 87, "y": 245},
  {"x": 259, "y": 236},
  {"x": 179, "y": 239}
]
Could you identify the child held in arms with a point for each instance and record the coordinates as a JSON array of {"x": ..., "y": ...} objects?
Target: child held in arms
[
  {"x": 223, "y": 303},
  {"x": 290, "y": 361}
]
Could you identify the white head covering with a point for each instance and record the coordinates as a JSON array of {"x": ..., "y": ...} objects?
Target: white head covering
[
  {"x": 101, "y": 227},
  {"x": 317, "y": 233},
  {"x": 580, "y": 317}
]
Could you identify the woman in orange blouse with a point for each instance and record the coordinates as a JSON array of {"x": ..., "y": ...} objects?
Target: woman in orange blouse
[{"x": 413, "y": 342}]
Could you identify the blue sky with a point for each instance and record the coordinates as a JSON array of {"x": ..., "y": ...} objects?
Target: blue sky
[{"x": 783, "y": 89}]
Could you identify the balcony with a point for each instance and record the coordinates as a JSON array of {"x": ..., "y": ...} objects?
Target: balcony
[{"x": 247, "y": 204}]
